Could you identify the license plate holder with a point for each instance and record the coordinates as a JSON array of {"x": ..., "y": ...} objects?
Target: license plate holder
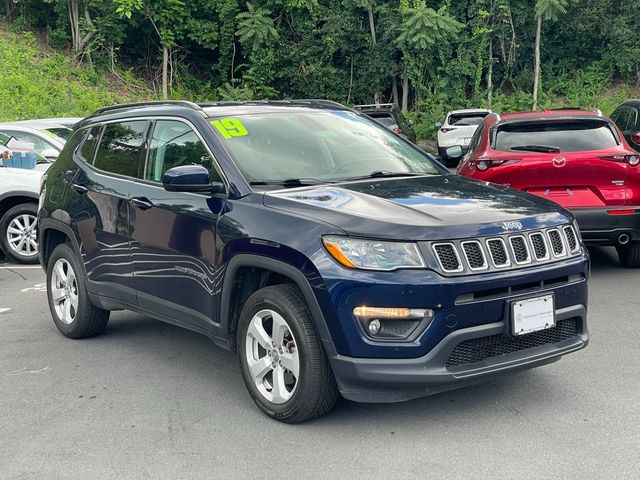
[{"x": 532, "y": 314}]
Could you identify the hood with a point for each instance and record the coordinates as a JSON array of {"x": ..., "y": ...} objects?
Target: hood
[{"x": 420, "y": 208}]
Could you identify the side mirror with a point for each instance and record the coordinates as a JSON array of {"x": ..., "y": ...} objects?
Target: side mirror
[
  {"x": 50, "y": 154},
  {"x": 454, "y": 152},
  {"x": 411, "y": 123},
  {"x": 437, "y": 124},
  {"x": 190, "y": 178}
]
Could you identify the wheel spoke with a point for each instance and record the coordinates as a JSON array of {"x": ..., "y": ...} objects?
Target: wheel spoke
[
  {"x": 280, "y": 392},
  {"x": 280, "y": 328},
  {"x": 59, "y": 271},
  {"x": 14, "y": 230},
  {"x": 18, "y": 224},
  {"x": 67, "y": 311},
  {"x": 259, "y": 368},
  {"x": 290, "y": 362},
  {"x": 34, "y": 244},
  {"x": 26, "y": 220},
  {"x": 20, "y": 244},
  {"x": 57, "y": 294},
  {"x": 257, "y": 332}
]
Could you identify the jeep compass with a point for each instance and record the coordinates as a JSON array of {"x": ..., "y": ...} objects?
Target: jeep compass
[{"x": 334, "y": 256}]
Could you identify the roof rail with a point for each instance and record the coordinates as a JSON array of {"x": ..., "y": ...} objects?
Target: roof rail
[
  {"x": 374, "y": 105},
  {"x": 180, "y": 103}
]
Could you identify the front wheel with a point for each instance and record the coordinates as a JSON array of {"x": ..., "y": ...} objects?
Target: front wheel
[
  {"x": 18, "y": 230},
  {"x": 283, "y": 364},
  {"x": 629, "y": 254}
]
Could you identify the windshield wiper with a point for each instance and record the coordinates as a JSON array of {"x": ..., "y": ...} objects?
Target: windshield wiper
[
  {"x": 537, "y": 148},
  {"x": 384, "y": 174},
  {"x": 291, "y": 182}
]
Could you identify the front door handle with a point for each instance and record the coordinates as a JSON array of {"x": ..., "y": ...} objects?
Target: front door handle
[
  {"x": 141, "y": 202},
  {"x": 79, "y": 188}
]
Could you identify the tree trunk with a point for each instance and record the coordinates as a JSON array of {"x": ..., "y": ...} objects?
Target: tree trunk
[
  {"x": 405, "y": 90},
  {"x": 490, "y": 74},
  {"x": 394, "y": 90},
  {"x": 165, "y": 68},
  {"x": 536, "y": 70},
  {"x": 372, "y": 28},
  {"x": 74, "y": 23}
]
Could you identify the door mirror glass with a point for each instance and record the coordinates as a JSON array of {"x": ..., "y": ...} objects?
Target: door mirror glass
[
  {"x": 454, "y": 152},
  {"x": 50, "y": 153},
  {"x": 190, "y": 178}
]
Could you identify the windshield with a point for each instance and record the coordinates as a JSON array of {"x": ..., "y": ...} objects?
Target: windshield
[
  {"x": 320, "y": 145},
  {"x": 467, "y": 119},
  {"x": 4, "y": 138},
  {"x": 554, "y": 137}
]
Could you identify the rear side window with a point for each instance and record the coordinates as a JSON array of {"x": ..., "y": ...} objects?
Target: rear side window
[
  {"x": 121, "y": 146},
  {"x": 173, "y": 144},
  {"x": 91, "y": 142},
  {"x": 564, "y": 136},
  {"x": 466, "y": 119},
  {"x": 625, "y": 118}
]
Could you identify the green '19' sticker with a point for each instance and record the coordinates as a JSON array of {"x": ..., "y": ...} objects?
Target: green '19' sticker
[{"x": 230, "y": 127}]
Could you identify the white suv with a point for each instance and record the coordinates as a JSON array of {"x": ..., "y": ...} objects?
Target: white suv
[
  {"x": 19, "y": 193},
  {"x": 457, "y": 129}
]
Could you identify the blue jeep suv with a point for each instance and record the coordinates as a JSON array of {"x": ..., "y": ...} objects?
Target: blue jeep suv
[{"x": 334, "y": 256}]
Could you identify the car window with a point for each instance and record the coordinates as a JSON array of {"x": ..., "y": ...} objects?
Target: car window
[
  {"x": 174, "y": 143},
  {"x": 387, "y": 121},
  {"x": 39, "y": 144},
  {"x": 465, "y": 119},
  {"x": 475, "y": 140},
  {"x": 624, "y": 118},
  {"x": 62, "y": 132},
  {"x": 121, "y": 146},
  {"x": 88, "y": 149},
  {"x": 566, "y": 136},
  {"x": 323, "y": 145}
]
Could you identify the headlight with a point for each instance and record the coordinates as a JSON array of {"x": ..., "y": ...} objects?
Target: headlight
[{"x": 373, "y": 254}]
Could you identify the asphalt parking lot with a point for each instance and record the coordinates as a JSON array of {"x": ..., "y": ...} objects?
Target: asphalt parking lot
[{"x": 149, "y": 400}]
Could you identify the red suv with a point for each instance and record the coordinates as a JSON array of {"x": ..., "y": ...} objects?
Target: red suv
[{"x": 576, "y": 158}]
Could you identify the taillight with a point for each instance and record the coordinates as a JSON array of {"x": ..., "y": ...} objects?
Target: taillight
[
  {"x": 43, "y": 183},
  {"x": 633, "y": 160},
  {"x": 445, "y": 130},
  {"x": 397, "y": 130},
  {"x": 485, "y": 164},
  {"x": 635, "y": 138}
]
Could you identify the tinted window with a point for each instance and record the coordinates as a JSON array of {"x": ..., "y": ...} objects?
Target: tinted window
[
  {"x": 625, "y": 118},
  {"x": 329, "y": 145},
  {"x": 572, "y": 136},
  {"x": 62, "y": 132},
  {"x": 89, "y": 145},
  {"x": 386, "y": 121},
  {"x": 475, "y": 140},
  {"x": 173, "y": 144},
  {"x": 463, "y": 119},
  {"x": 120, "y": 149}
]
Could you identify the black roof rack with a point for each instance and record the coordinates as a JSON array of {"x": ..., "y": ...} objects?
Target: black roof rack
[
  {"x": 594, "y": 110},
  {"x": 303, "y": 101},
  {"x": 179, "y": 103}
]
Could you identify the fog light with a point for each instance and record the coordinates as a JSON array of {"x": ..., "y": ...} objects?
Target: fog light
[{"x": 374, "y": 326}]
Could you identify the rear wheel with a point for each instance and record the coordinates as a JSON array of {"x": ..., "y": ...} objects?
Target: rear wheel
[
  {"x": 629, "y": 254},
  {"x": 283, "y": 364},
  {"x": 19, "y": 230},
  {"x": 71, "y": 309}
]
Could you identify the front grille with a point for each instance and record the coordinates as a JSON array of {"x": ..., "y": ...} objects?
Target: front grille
[
  {"x": 520, "y": 250},
  {"x": 572, "y": 239},
  {"x": 495, "y": 346},
  {"x": 474, "y": 255},
  {"x": 556, "y": 242},
  {"x": 539, "y": 246},
  {"x": 505, "y": 252},
  {"x": 498, "y": 252},
  {"x": 448, "y": 257}
]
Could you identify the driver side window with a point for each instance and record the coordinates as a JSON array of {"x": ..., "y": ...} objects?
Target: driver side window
[{"x": 173, "y": 144}]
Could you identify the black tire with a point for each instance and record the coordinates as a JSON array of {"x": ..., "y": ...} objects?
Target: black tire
[
  {"x": 316, "y": 391},
  {"x": 88, "y": 320},
  {"x": 30, "y": 209},
  {"x": 629, "y": 254}
]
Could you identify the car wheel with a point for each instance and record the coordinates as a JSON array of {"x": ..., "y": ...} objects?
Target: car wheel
[
  {"x": 629, "y": 254},
  {"x": 282, "y": 360},
  {"x": 71, "y": 309},
  {"x": 19, "y": 227}
]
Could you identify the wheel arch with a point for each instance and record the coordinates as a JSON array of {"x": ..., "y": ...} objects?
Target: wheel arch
[
  {"x": 51, "y": 234},
  {"x": 14, "y": 198},
  {"x": 265, "y": 271}
]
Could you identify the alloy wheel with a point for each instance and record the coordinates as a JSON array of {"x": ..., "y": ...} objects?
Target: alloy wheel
[
  {"x": 64, "y": 291},
  {"x": 22, "y": 235}
]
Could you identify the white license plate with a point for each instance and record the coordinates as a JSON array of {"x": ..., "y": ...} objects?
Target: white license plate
[
  {"x": 466, "y": 141},
  {"x": 532, "y": 314}
]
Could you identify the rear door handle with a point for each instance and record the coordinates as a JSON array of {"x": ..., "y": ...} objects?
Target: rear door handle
[
  {"x": 141, "y": 202},
  {"x": 79, "y": 188}
]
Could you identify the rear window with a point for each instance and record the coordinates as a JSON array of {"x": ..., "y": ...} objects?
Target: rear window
[
  {"x": 387, "y": 121},
  {"x": 573, "y": 136},
  {"x": 463, "y": 119}
]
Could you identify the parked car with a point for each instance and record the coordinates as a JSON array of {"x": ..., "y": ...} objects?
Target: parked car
[
  {"x": 576, "y": 158},
  {"x": 335, "y": 257},
  {"x": 627, "y": 118},
  {"x": 46, "y": 144},
  {"x": 19, "y": 192},
  {"x": 389, "y": 115},
  {"x": 458, "y": 129}
]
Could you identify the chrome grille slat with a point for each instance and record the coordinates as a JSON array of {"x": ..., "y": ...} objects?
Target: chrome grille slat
[{"x": 506, "y": 251}]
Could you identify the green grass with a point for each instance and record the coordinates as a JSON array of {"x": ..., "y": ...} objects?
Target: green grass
[{"x": 38, "y": 82}]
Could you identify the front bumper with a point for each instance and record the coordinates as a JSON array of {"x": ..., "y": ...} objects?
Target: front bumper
[
  {"x": 396, "y": 380},
  {"x": 599, "y": 227}
]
